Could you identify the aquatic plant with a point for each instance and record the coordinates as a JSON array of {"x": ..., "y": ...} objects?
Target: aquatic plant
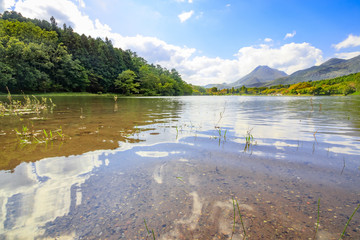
[
  {"x": 249, "y": 140},
  {"x": 240, "y": 216},
  {"x": 148, "y": 232},
  {"x": 27, "y": 106},
  {"x": 318, "y": 218},
  {"x": 115, "y": 98},
  {"x": 181, "y": 179},
  {"x": 26, "y": 136},
  {"x": 315, "y": 134},
  {"x": 346, "y": 225}
]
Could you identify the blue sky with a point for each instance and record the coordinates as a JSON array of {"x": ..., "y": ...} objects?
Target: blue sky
[{"x": 214, "y": 41}]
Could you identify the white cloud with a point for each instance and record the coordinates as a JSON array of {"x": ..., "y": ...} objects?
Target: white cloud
[
  {"x": 268, "y": 40},
  {"x": 81, "y": 3},
  {"x": 347, "y": 55},
  {"x": 228, "y": 5},
  {"x": 153, "y": 49},
  {"x": 44, "y": 9},
  {"x": 350, "y": 41},
  {"x": 6, "y": 5},
  {"x": 185, "y": 16},
  {"x": 290, "y": 35},
  {"x": 289, "y": 58}
]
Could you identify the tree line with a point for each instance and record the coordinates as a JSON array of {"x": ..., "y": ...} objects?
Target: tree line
[
  {"x": 38, "y": 56},
  {"x": 344, "y": 85}
]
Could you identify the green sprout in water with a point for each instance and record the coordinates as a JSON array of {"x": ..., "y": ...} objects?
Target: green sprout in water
[
  {"x": 27, "y": 137},
  {"x": 318, "y": 219},
  {"x": 240, "y": 216},
  {"x": 181, "y": 179},
  {"x": 148, "y": 232},
  {"x": 343, "y": 233},
  {"x": 249, "y": 139}
]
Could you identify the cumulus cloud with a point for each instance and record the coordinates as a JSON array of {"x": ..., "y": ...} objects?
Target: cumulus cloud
[
  {"x": 81, "y": 3},
  {"x": 6, "y": 5},
  {"x": 81, "y": 23},
  {"x": 289, "y": 58},
  {"x": 350, "y": 41},
  {"x": 347, "y": 55},
  {"x": 290, "y": 35},
  {"x": 185, "y": 16},
  {"x": 153, "y": 49}
]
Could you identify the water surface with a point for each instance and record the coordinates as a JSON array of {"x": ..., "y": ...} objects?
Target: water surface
[{"x": 178, "y": 162}]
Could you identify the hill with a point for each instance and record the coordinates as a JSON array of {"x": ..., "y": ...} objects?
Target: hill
[
  {"x": 332, "y": 68},
  {"x": 38, "y": 56}
]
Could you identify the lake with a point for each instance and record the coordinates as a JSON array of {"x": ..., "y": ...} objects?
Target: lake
[{"x": 185, "y": 165}]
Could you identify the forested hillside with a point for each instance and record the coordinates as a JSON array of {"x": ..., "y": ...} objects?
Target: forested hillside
[
  {"x": 39, "y": 56},
  {"x": 345, "y": 85}
]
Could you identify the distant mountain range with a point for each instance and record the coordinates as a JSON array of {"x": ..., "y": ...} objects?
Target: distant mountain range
[
  {"x": 332, "y": 68},
  {"x": 266, "y": 76}
]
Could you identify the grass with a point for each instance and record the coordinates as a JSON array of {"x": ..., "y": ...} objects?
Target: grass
[
  {"x": 148, "y": 232},
  {"x": 240, "y": 216},
  {"x": 27, "y": 136},
  {"x": 347, "y": 224},
  {"x": 318, "y": 218},
  {"x": 26, "y": 106}
]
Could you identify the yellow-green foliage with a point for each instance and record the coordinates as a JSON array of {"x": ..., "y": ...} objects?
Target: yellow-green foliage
[{"x": 344, "y": 85}]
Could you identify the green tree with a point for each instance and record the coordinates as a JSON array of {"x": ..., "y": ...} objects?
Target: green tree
[{"x": 126, "y": 84}]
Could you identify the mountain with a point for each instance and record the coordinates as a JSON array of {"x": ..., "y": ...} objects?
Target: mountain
[
  {"x": 218, "y": 86},
  {"x": 332, "y": 68},
  {"x": 258, "y": 77}
]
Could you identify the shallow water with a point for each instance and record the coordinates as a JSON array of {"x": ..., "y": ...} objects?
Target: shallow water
[{"x": 178, "y": 162}]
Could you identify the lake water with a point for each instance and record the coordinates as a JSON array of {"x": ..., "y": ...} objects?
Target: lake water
[{"x": 178, "y": 163}]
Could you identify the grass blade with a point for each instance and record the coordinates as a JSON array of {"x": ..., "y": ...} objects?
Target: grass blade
[
  {"x": 153, "y": 234},
  {"x": 343, "y": 233},
  {"x": 241, "y": 220},
  {"x": 318, "y": 219},
  {"x": 233, "y": 230},
  {"x": 45, "y": 133}
]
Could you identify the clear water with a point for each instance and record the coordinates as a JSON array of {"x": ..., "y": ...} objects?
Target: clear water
[{"x": 178, "y": 162}]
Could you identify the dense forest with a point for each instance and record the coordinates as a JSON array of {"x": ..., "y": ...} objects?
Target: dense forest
[
  {"x": 38, "y": 56},
  {"x": 344, "y": 85}
]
